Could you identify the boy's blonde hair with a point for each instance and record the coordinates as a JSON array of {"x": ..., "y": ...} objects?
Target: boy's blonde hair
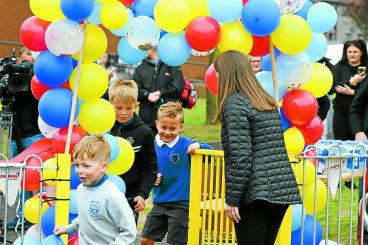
[
  {"x": 172, "y": 110},
  {"x": 93, "y": 147},
  {"x": 125, "y": 91}
]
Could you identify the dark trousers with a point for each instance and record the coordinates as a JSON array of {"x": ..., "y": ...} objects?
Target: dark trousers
[
  {"x": 341, "y": 125},
  {"x": 260, "y": 223}
]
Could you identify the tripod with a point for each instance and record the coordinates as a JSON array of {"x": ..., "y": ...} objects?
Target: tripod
[{"x": 6, "y": 130}]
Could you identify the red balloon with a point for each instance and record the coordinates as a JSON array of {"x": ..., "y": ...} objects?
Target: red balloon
[
  {"x": 32, "y": 33},
  {"x": 73, "y": 239},
  {"x": 244, "y": 1},
  {"x": 261, "y": 46},
  {"x": 299, "y": 106},
  {"x": 38, "y": 88},
  {"x": 127, "y": 2},
  {"x": 312, "y": 131},
  {"x": 311, "y": 152},
  {"x": 211, "y": 79},
  {"x": 59, "y": 141},
  {"x": 203, "y": 33},
  {"x": 32, "y": 176}
]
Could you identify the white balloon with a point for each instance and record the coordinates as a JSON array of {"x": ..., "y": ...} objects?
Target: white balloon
[
  {"x": 47, "y": 130},
  {"x": 33, "y": 231},
  {"x": 198, "y": 53},
  {"x": 64, "y": 37},
  {"x": 142, "y": 33},
  {"x": 35, "y": 54}
]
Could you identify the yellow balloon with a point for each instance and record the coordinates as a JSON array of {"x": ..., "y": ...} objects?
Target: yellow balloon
[
  {"x": 172, "y": 15},
  {"x": 50, "y": 173},
  {"x": 321, "y": 197},
  {"x": 47, "y": 10},
  {"x": 321, "y": 81},
  {"x": 198, "y": 8},
  {"x": 96, "y": 116},
  {"x": 124, "y": 160},
  {"x": 235, "y": 37},
  {"x": 294, "y": 141},
  {"x": 113, "y": 15},
  {"x": 95, "y": 44},
  {"x": 310, "y": 176},
  {"x": 31, "y": 209},
  {"x": 293, "y": 34},
  {"x": 93, "y": 81}
]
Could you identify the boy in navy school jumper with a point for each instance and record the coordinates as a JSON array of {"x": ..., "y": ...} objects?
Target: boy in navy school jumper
[
  {"x": 140, "y": 178},
  {"x": 171, "y": 193},
  {"x": 104, "y": 215}
]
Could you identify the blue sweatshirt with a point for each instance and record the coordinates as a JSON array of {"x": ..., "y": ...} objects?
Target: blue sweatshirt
[{"x": 174, "y": 165}]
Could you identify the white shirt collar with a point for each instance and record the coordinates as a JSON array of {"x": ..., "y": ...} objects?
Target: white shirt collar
[{"x": 171, "y": 144}]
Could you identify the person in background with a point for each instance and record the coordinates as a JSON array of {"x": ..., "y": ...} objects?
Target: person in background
[
  {"x": 158, "y": 83},
  {"x": 25, "y": 127},
  {"x": 346, "y": 81},
  {"x": 171, "y": 192},
  {"x": 324, "y": 102},
  {"x": 104, "y": 215},
  {"x": 256, "y": 63},
  {"x": 106, "y": 64},
  {"x": 141, "y": 177},
  {"x": 260, "y": 184}
]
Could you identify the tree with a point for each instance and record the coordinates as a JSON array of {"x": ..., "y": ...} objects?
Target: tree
[{"x": 358, "y": 10}]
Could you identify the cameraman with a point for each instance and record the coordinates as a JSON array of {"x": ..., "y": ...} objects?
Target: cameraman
[{"x": 25, "y": 108}]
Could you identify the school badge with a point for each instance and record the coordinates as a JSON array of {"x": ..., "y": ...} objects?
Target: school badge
[
  {"x": 175, "y": 158},
  {"x": 94, "y": 209}
]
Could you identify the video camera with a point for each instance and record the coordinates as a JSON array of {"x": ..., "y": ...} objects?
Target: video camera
[{"x": 14, "y": 77}]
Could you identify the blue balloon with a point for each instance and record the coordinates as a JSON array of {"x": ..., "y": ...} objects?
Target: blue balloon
[
  {"x": 128, "y": 54},
  {"x": 265, "y": 79},
  {"x": 52, "y": 70},
  {"x": 27, "y": 240},
  {"x": 122, "y": 31},
  {"x": 322, "y": 17},
  {"x": 225, "y": 10},
  {"x": 296, "y": 236},
  {"x": 73, "y": 203},
  {"x": 297, "y": 216},
  {"x": 55, "y": 107},
  {"x": 114, "y": 145},
  {"x": 118, "y": 181},
  {"x": 256, "y": 21},
  {"x": 94, "y": 17},
  {"x": 75, "y": 63},
  {"x": 285, "y": 123},
  {"x": 303, "y": 12},
  {"x": 144, "y": 7},
  {"x": 173, "y": 49},
  {"x": 317, "y": 47},
  {"x": 52, "y": 240},
  {"x": 74, "y": 178},
  {"x": 266, "y": 63},
  {"x": 77, "y": 10},
  {"x": 48, "y": 221}
]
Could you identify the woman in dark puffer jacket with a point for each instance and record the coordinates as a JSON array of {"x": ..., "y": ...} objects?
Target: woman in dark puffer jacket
[{"x": 260, "y": 184}]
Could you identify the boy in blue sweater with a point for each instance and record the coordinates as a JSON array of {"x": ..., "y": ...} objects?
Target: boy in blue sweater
[{"x": 171, "y": 193}]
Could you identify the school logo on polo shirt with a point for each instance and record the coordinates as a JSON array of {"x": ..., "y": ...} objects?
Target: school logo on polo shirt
[
  {"x": 175, "y": 158},
  {"x": 94, "y": 209}
]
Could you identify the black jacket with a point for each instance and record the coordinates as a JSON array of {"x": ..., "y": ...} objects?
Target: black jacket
[
  {"x": 358, "y": 115},
  {"x": 256, "y": 162},
  {"x": 150, "y": 78},
  {"x": 341, "y": 76},
  {"x": 141, "y": 177}
]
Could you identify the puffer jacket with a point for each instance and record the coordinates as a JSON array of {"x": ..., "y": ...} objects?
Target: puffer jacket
[{"x": 257, "y": 165}]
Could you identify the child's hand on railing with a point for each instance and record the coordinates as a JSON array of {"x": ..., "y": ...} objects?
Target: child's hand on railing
[{"x": 192, "y": 147}]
